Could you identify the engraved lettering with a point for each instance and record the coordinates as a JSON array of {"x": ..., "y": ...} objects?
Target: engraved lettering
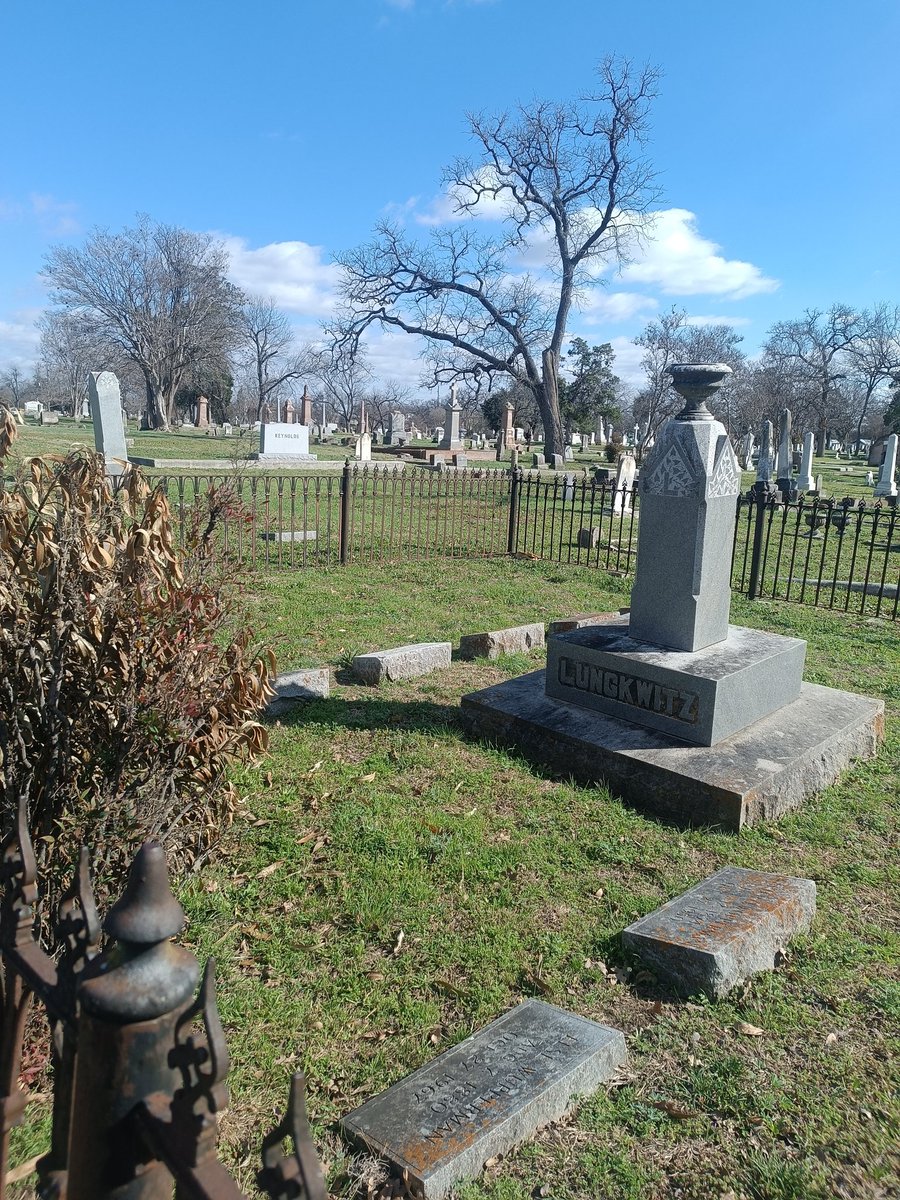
[
  {"x": 566, "y": 674},
  {"x": 626, "y": 689},
  {"x": 626, "y": 695},
  {"x": 610, "y": 685}
]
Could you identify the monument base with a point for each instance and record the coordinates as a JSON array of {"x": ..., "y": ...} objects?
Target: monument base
[
  {"x": 700, "y": 697},
  {"x": 282, "y": 460},
  {"x": 755, "y": 775}
]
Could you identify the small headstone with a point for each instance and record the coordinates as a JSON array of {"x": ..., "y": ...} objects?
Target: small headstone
[
  {"x": 625, "y": 477},
  {"x": 568, "y": 494},
  {"x": 537, "y": 460},
  {"x": 460, "y": 460},
  {"x": 588, "y": 539},
  {"x": 403, "y": 662},
  {"x": 569, "y": 454},
  {"x": 732, "y": 925},
  {"x": 490, "y": 1092},
  {"x": 886, "y": 485},
  {"x": 314, "y": 683},
  {"x": 805, "y": 483},
  {"x": 49, "y": 418},
  {"x": 288, "y": 535},
  {"x": 557, "y": 462},
  {"x": 518, "y": 640}
]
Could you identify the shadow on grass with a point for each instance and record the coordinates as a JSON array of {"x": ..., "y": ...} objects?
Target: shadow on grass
[{"x": 365, "y": 712}]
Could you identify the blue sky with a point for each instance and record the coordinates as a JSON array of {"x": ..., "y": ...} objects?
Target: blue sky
[{"x": 289, "y": 129}]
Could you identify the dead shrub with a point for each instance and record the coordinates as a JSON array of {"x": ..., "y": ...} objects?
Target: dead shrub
[{"x": 123, "y": 697}]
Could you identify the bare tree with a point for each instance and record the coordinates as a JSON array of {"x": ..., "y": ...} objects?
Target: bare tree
[
  {"x": 274, "y": 359},
  {"x": 383, "y": 399},
  {"x": 158, "y": 293},
  {"x": 815, "y": 346},
  {"x": 13, "y": 382},
  {"x": 874, "y": 360},
  {"x": 344, "y": 379},
  {"x": 570, "y": 176},
  {"x": 70, "y": 349}
]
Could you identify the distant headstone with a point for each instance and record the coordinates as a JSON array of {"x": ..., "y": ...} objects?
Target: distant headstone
[
  {"x": 279, "y": 441},
  {"x": 306, "y": 403},
  {"x": 886, "y": 485},
  {"x": 485, "y": 1095},
  {"x": 290, "y": 412},
  {"x": 202, "y": 420},
  {"x": 784, "y": 462},
  {"x": 569, "y": 454},
  {"x": 49, "y": 418},
  {"x": 625, "y": 476},
  {"x": 450, "y": 439},
  {"x": 805, "y": 482},
  {"x": 396, "y": 430},
  {"x": 732, "y": 925},
  {"x": 557, "y": 462},
  {"x": 745, "y": 453},
  {"x": 588, "y": 539},
  {"x": 508, "y": 430},
  {"x": 537, "y": 460},
  {"x": 363, "y": 449},
  {"x": 568, "y": 493},
  {"x": 106, "y": 414},
  {"x": 765, "y": 463},
  {"x": 580, "y": 621},
  {"x": 460, "y": 461},
  {"x": 514, "y": 459}
]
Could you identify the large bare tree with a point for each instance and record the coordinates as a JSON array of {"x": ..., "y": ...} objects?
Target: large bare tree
[
  {"x": 157, "y": 292},
  {"x": 815, "y": 347},
  {"x": 569, "y": 178},
  {"x": 874, "y": 360},
  {"x": 70, "y": 349},
  {"x": 274, "y": 358}
]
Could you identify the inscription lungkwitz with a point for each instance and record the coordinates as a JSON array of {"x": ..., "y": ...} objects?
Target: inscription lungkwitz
[{"x": 672, "y": 702}]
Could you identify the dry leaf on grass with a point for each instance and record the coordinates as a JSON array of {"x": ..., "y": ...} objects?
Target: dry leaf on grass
[
  {"x": 750, "y": 1030},
  {"x": 367, "y": 778},
  {"x": 270, "y": 869},
  {"x": 675, "y": 1110}
]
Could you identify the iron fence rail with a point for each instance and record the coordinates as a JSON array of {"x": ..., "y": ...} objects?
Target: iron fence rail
[{"x": 840, "y": 554}]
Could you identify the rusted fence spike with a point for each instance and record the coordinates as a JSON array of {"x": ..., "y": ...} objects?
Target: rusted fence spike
[
  {"x": 77, "y": 920},
  {"x": 296, "y": 1176},
  {"x": 19, "y": 882},
  {"x": 203, "y": 1061}
]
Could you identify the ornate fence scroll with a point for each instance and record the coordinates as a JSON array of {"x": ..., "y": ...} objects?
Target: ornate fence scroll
[{"x": 139, "y": 1060}]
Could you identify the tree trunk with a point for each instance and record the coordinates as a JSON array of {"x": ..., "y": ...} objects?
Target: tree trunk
[
  {"x": 156, "y": 409},
  {"x": 548, "y": 403},
  {"x": 821, "y": 438}
]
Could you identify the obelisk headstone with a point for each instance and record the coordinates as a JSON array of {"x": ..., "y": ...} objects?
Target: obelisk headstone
[
  {"x": 509, "y": 435},
  {"x": 688, "y": 487},
  {"x": 805, "y": 482},
  {"x": 290, "y": 412},
  {"x": 106, "y": 414},
  {"x": 784, "y": 475},
  {"x": 451, "y": 439},
  {"x": 306, "y": 410},
  {"x": 886, "y": 485},
  {"x": 765, "y": 462},
  {"x": 202, "y": 421}
]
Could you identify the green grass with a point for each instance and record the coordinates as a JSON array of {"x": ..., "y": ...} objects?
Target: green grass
[
  {"x": 380, "y": 816},
  {"x": 374, "y": 814}
]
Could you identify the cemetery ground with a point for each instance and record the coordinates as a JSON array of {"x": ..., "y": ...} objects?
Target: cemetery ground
[{"x": 391, "y": 885}]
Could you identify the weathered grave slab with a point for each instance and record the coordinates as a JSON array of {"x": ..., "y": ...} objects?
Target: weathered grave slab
[
  {"x": 755, "y": 775},
  {"x": 487, "y": 1094},
  {"x": 518, "y": 640},
  {"x": 289, "y": 535},
  {"x": 312, "y": 683},
  {"x": 727, "y": 928},
  {"x": 403, "y": 662},
  {"x": 582, "y": 621},
  {"x": 589, "y": 537}
]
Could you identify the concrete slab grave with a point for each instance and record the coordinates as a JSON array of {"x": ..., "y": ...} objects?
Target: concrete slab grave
[
  {"x": 486, "y": 1095},
  {"x": 733, "y": 925}
]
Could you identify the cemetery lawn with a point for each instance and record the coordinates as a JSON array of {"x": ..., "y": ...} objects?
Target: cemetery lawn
[{"x": 391, "y": 886}]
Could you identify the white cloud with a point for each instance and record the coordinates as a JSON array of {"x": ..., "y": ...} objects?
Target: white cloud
[
  {"x": 54, "y": 217},
  {"x": 627, "y": 363},
  {"x": 598, "y": 306},
  {"x": 680, "y": 262},
  {"x": 293, "y": 274}
]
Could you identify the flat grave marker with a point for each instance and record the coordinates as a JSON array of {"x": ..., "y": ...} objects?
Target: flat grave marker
[
  {"x": 732, "y": 925},
  {"x": 487, "y": 1094}
]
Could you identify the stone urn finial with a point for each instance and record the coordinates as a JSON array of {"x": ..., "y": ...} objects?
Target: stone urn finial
[{"x": 696, "y": 382}]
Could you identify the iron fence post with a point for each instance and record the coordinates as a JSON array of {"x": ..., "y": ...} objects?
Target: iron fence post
[
  {"x": 761, "y": 492},
  {"x": 129, "y": 1010},
  {"x": 344, "y": 529},
  {"x": 512, "y": 534}
]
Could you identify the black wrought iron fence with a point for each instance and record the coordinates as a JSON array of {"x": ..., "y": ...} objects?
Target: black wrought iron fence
[
  {"x": 830, "y": 553},
  {"x": 139, "y": 1062},
  {"x": 842, "y": 554}
]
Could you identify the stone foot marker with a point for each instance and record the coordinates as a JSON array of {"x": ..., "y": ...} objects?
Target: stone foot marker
[
  {"x": 312, "y": 683},
  {"x": 486, "y": 1095},
  {"x": 403, "y": 662},
  {"x": 728, "y": 927},
  {"x": 518, "y": 640}
]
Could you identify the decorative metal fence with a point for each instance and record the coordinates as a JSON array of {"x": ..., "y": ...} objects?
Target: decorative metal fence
[
  {"x": 842, "y": 554},
  {"x": 836, "y": 554},
  {"x": 139, "y": 1063}
]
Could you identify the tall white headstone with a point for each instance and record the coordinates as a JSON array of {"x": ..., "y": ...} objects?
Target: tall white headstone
[
  {"x": 106, "y": 413},
  {"x": 886, "y": 485},
  {"x": 784, "y": 472},
  {"x": 806, "y": 483}
]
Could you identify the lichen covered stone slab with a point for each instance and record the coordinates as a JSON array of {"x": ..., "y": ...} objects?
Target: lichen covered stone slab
[
  {"x": 403, "y": 662},
  {"x": 727, "y": 928},
  {"x": 486, "y": 1095},
  {"x": 518, "y": 640}
]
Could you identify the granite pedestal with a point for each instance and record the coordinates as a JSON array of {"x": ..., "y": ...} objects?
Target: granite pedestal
[
  {"x": 699, "y": 697},
  {"x": 755, "y": 775}
]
